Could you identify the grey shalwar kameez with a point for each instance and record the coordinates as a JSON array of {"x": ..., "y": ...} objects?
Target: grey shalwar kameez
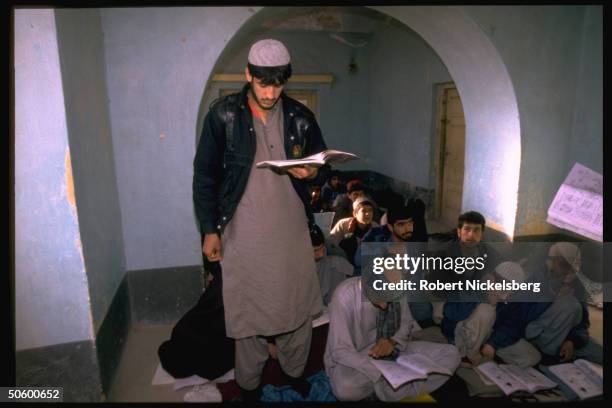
[
  {"x": 270, "y": 284},
  {"x": 352, "y": 333}
]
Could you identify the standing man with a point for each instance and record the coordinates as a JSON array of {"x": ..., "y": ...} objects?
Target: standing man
[{"x": 255, "y": 221}]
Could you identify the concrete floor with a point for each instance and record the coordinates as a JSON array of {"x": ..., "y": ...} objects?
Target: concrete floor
[{"x": 133, "y": 381}]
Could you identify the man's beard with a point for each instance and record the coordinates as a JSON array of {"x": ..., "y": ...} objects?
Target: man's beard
[
  {"x": 258, "y": 102},
  {"x": 404, "y": 238}
]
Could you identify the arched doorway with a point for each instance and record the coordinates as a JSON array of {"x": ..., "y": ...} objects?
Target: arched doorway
[{"x": 493, "y": 148}]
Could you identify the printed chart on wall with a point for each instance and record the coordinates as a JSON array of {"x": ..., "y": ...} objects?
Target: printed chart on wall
[{"x": 578, "y": 205}]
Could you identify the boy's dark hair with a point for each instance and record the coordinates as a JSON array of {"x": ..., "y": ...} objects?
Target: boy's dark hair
[
  {"x": 271, "y": 75},
  {"x": 334, "y": 173},
  {"x": 471, "y": 217}
]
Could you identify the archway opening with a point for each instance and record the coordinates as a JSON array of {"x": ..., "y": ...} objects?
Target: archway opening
[{"x": 384, "y": 63}]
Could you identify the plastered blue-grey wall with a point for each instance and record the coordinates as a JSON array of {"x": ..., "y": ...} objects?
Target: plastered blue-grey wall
[
  {"x": 51, "y": 295},
  {"x": 158, "y": 61},
  {"x": 403, "y": 73},
  {"x": 553, "y": 55},
  {"x": 81, "y": 51},
  {"x": 587, "y": 133}
]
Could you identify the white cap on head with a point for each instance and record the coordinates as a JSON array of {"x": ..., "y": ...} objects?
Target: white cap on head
[
  {"x": 567, "y": 251},
  {"x": 269, "y": 53},
  {"x": 511, "y": 271},
  {"x": 362, "y": 201}
]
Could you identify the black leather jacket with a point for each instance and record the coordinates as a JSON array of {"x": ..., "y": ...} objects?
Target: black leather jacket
[{"x": 226, "y": 150}]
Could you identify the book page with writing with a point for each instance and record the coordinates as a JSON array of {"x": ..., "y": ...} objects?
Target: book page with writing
[
  {"x": 532, "y": 378},
  {"x": 577, "y": 380},
  {"x": 396, "y": 374},
  {"x": 502, "y": 378},
  {"x": 593, "y": 371},
  {"x": 420, "y": 363},
  {"x": 578, "y": 204}
]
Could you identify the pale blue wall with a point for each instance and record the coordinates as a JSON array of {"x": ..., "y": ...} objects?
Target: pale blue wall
[
  {"x": 51, "y": 298},
  {"x": 403, "y": 74},
  {"x": 587, "y": 131},
  {"x": 560, "y": 106},
  {"x": 158, "y": 61},
  {"x": 81, "y": 52}
]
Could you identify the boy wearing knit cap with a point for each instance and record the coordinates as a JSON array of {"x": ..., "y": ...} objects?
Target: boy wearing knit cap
[{"x": 348, "y": 232}]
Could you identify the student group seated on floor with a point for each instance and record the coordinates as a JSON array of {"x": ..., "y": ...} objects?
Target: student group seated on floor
[{"x": 364, "y": 326}]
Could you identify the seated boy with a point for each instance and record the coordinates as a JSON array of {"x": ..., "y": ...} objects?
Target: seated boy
[{"x": 378, "y": 326}]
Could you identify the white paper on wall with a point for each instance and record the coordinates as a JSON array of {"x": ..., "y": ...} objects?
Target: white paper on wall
[{"x": 578, "y": 205}]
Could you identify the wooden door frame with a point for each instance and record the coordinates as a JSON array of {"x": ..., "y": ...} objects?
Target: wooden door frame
[{"x": 440, "y": 143}]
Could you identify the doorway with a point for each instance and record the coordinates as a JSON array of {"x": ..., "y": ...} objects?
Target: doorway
[{"x": 450, "y": 154}]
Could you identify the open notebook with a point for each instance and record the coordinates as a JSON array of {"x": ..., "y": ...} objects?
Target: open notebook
[
  {"x": 511, "y": 378},
  {"x": 408, "y": 368},
  {"x": 582, "y": 377}
]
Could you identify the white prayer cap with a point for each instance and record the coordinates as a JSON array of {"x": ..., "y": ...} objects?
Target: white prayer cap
[
  {"x": 269, "y": 53},
  {"x": 567, "y": 251},
  {"x": 511, "y": 271}
]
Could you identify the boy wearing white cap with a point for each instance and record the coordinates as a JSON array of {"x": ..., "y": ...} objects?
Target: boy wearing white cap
[
  {"x": 368, "y": 324},
  {"x": 561, "y": 332},
  {"x": 348, "y": 232},
  {"x": 255, "y": 221}
]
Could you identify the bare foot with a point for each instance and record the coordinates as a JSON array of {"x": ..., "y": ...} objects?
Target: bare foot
[
  {"x": 475, "y": 358},
  {"x": 272, "y": 351}
]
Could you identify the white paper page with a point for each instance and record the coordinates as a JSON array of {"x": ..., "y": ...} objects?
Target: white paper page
[
  {"x": 189, "y": 381},
  {"x": 580, "y": 209},
  {"x": 584, "y": 178},
  {"x": 205, "y": 393},
  {"x": 324, "y": 221},
  {"x": 593, "y": 371},
  {"x": 225, "y": 377},
  {"x": 531, "y": 377},
  {"x": 485, "y": 380},
  {"x": 578, "y": 204},
  {"x": 575, "y": 379},
  {"x": 395, "y": 373},
  {"x": 504, "y": 380},
  {"x": 322, "y": 319},
  {"x": 318, "y": 159},
  {"x": 422, "y": 364}
]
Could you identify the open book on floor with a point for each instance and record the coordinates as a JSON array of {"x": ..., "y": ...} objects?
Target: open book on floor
[
  {"x": 408, "y": 368},
  {"x": 317, "y": 160},
  {"x": 512, "y": 378},
  {"x": 581, "y": 376}
]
